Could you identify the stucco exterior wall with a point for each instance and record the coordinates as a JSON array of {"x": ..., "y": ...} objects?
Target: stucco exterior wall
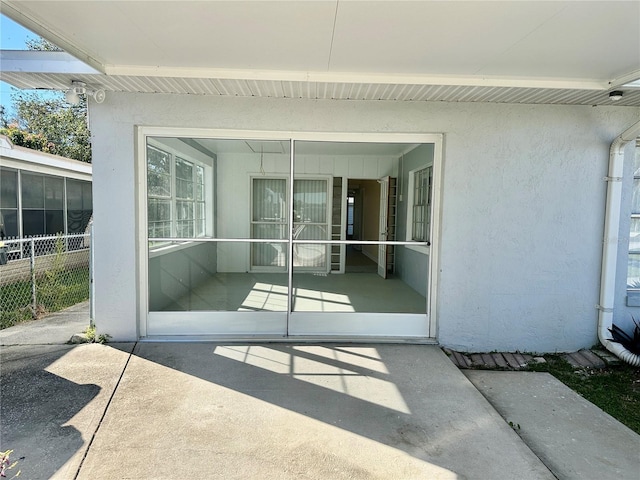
[{"x": 522, "y": 207}]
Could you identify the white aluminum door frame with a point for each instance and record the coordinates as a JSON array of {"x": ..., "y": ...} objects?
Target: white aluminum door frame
[{"x": 424, "y": 326}]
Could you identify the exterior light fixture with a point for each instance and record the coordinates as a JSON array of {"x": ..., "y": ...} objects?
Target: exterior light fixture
[
  {"x": 72, "y": 97},
  {"x": 615, "y": 95},
  {"x": 78, "y": 88}
]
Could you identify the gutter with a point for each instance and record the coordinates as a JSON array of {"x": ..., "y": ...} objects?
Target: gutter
[{"x": 610, "y": 246}]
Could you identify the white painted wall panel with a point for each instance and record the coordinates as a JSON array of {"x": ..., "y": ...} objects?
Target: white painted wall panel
[
  {"x": 356, "y": 168},
  {"x": 232, "y": 195},
  {"x": 370, "y": 168},
  {"x": 340, "y": 167},
  {"x": 522, "y": 207},
  {"x": 332, "y": 167},
  {"x": 308, "y": 164},
  {"x": 386, "y": 167},
  {"x": 234, "y": 192}
]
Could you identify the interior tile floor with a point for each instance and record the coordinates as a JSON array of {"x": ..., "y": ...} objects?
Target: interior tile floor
[{"x": 349, "y": 292}]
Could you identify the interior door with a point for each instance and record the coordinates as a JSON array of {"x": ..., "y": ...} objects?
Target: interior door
[
  {"x": 311, "y": 207},
  {"x": 269, "y": 220},
  {"x": 384, "y": 226}
]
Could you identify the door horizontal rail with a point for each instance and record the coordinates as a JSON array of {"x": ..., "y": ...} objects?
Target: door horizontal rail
[
  {"x": 361, "y": 242},
  {"x": 284, "y": 240}
]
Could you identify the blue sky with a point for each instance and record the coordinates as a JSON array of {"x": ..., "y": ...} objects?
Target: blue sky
[{"x": 12, "y": 37}]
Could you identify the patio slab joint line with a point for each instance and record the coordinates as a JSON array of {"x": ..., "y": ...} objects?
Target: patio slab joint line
[{"x": 104, "y": 413}]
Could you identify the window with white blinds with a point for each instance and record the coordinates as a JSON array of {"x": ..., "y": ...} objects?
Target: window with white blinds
[{"x": 419, "y": 204}]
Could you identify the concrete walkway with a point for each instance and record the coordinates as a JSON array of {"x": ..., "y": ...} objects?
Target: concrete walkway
[
  {"x": 573, "y": 437},
  {"x": 273, "y": 411},
  {"x": 55, "y": 329}
]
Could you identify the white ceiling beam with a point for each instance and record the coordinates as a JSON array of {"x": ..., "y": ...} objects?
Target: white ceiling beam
[
  {"x": 633, "y": 77},
  {"x": 35, "y": 61},
  {"x": 16, "y": 14},
  {"x": 356, "y": 78}
]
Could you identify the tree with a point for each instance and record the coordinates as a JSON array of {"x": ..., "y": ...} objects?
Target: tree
[
  {"x": 28, "y": 140},
  {"x": 3, "y": 117},
  {"x": 41, "y": 44},
  {"x": 44, "y": 121},
  {"x": 63, "y": 126}
]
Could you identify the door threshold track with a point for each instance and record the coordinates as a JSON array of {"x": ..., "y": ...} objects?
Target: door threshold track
[{"x": 260, "y": 339}]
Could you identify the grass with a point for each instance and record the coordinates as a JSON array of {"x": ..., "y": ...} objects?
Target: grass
[
  {"x": 615, "y": 389},
  {"x": 53, "y": 293}
]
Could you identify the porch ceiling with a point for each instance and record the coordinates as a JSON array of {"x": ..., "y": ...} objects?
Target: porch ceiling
[{"x": 570, "y": 52}]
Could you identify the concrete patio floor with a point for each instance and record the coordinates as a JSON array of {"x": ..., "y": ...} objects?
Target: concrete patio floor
[
  {"x": 282, "y": 411},
  {"x": 188, "y": 410}
]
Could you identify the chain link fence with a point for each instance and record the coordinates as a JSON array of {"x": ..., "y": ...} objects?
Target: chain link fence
[{"x": 40, "y": 275}]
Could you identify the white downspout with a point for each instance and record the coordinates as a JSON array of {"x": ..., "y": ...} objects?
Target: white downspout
[{"x": 610, "y": 247}]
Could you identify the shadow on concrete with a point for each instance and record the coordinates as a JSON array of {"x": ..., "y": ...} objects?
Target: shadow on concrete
[
  {"x": 35, "y": 405},
  {"x": 407, "y": 397}
]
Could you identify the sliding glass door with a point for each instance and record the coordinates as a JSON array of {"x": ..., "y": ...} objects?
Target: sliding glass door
[
  {"x": 365, "y": 293},
  {"x": 226, "y": 276},
  {"x": 256, "y": 238}
]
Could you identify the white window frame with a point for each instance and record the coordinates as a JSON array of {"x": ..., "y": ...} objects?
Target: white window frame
[
  {"x": 194, "y": 200},
  {"x": 176, "y": 155},
  {"x": 410, "y": 205},
  {"x": 170, "y": 198}
]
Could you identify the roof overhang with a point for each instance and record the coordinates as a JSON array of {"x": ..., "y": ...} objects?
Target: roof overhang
[{"x": 570, "y": 52}]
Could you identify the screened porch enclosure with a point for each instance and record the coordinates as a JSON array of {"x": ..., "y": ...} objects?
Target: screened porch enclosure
[{"x": 265, "y": 237}]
